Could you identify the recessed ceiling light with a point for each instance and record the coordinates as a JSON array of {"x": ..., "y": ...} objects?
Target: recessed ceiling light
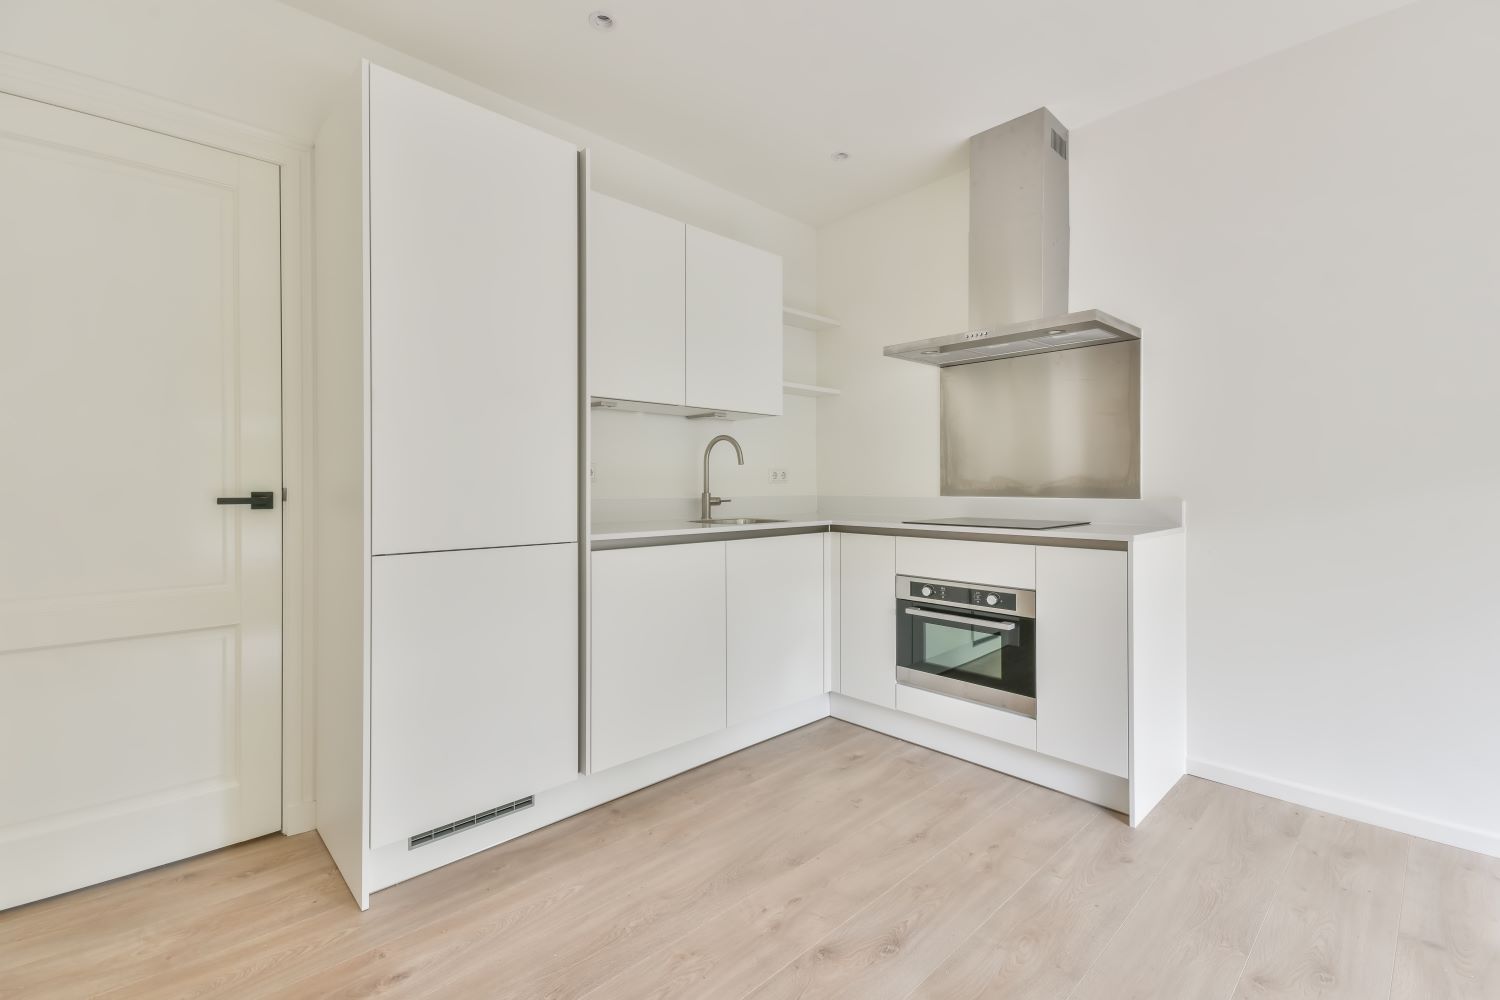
[
  {"x": 602, "y": 21},
  {"x": 839, "y": 157}
]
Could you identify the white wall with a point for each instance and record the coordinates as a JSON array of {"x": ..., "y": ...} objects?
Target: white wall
[
  {"x": 1313, "y": 248},
  {"x": 894, "y": 272},
  {"x": 1312, "y": 245},
  {"x": 274, "y": 67}
]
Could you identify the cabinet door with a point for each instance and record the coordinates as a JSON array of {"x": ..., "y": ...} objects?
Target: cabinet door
[
  {"x": 1082, "y": 666},
  {"x": 733, "y": 325},
  {"x": 994, "y": 564},
  {"x": 473, "y": 683},
  {"x": 635, "y": 319},
  {"x": 658, "y": 667},
  {"x": 775, "y": 624},
  {"x": 473, "y": 299},
  {"x": 867, "y": 618}
]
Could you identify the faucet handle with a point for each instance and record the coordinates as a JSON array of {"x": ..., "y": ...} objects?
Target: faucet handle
[{"x": 716, "y": 501}]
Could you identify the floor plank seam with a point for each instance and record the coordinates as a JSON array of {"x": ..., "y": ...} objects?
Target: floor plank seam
[
  {"x": 1390, "y": 991},
  {"x": 979, "y": 924},
  {"x": 1270, "y": 902}
]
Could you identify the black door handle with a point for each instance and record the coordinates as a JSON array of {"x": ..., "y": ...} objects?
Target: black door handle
[{"x": 257, "y": 500}]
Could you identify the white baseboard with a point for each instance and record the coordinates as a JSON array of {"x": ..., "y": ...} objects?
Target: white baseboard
[
  {"x": 1454, "y": 835},
  {"x": 298, "y": 817},
  {"x": 1080, "y": 782}
]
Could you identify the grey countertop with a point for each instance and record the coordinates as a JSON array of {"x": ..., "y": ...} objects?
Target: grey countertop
[{"x": 648, "y": 531}]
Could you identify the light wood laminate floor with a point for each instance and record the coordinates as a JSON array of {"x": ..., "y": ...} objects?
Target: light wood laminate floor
[{"x": 829, "y": 862}]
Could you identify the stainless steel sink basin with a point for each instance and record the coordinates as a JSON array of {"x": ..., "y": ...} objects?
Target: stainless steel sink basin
[{"x": 735, "y": 520}]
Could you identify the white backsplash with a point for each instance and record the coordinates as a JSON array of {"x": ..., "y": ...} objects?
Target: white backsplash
[{"x": 633, "y": 509}]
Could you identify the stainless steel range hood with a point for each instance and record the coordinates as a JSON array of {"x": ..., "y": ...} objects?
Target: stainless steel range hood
[
  {"x": 1037, "y": 336},
  {"x": 1018, "y": 254}
]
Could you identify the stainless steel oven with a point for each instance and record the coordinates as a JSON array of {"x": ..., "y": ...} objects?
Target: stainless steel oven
[{"x": 967, "y": 640}]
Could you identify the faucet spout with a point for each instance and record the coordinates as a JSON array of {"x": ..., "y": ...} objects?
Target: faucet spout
[{"x": 707, "y": 501}]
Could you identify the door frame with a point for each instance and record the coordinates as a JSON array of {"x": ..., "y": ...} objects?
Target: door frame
[{"x": 75, "y": 92}]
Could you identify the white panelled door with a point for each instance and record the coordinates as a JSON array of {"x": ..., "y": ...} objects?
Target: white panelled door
[{"x": 140, "y": 621}]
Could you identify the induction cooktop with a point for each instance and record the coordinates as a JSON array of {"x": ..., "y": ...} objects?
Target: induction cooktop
[{"x": 999, "y": 522}]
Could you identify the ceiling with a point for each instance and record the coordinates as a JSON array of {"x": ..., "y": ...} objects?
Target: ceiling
[{"x": 755, "y": 95}]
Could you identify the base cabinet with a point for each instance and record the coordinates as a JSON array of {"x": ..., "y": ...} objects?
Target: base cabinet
[
  {"x": 473, "y": 683},
  {"x": 867, "y": 618},
  {"x": 775, "y": 638},
  {"x": 657, "y": 671},
  {"x": 1082, "y": 666}
]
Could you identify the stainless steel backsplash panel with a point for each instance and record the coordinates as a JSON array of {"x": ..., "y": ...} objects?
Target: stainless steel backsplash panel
[{"x": 1066, "y": 424}]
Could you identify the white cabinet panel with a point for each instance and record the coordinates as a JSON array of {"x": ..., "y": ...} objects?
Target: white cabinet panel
[
  {"x": 867, "y": 618},
  {"x": 733, "y": 325},
  {"x": 636, "y": 281},
  {"x": 658, "y": 662},
  {"x": 1082, "y": 672},
  {"x": 473, "y": 294},
  {"x": 775, "y": 617},
  {"x": 474, "y": 683},
  {"x": 997, "y": 564},
  {"x": 973, "y": 717}
]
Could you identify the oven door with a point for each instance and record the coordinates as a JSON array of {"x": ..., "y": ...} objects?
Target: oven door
[{"x": 983, "y": 657}]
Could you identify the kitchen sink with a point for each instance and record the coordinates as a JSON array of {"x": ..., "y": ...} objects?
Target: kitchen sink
[{"x": 735, "y": 520}]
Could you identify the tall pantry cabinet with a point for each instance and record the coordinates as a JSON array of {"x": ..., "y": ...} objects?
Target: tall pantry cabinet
[{"x": 448, "y": 494}]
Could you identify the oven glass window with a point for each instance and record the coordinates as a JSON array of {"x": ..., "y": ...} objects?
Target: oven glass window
[{"x": 977, "y": 655}]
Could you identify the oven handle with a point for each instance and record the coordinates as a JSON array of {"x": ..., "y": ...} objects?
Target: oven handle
[{"x": 938, "y": 615}]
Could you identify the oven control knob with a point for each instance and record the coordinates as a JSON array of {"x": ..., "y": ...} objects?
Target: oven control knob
[
  {"x": 926, "y": 591},
  {"x": 991, "y": 599}
]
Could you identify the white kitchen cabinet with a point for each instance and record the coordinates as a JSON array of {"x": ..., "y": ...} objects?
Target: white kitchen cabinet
[
  {"x": 867, "y": 618},
  {"x": 474, "y": 683},
  {"x": 473, "y": 277},
  {"x": 657, "y": 672},
  {"x": 775, "y": 623},
  {"x": 734, "y": 334},
  {"x": 636, "y": 275},
  {"x": 993, "y": 564},
  {"x": 1082, "y": 667},
  {"x": 448, "y": 403}
]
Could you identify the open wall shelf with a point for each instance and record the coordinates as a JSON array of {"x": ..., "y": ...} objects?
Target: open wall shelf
[
  {"x": 804, "y": 389},
  {"x": 805, "y": 320}
]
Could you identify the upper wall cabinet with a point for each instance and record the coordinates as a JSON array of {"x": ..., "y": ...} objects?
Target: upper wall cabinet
[
  {"x": 733, "y": 325},
  {"x": 680, "y": 320},
  {"x": 473, "y": 320},
  {"x": 636, "y": 276}
]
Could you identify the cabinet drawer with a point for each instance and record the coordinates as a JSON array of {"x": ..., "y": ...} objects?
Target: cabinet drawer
[
  {"x": 967, "y": 715},
  {"x": 998, "y": 564}
]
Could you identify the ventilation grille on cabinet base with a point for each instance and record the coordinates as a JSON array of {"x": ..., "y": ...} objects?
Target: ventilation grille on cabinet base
[{"x": 459, "y": 826}]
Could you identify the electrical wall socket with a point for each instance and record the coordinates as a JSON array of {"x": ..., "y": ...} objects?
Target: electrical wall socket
[{"x": 778, "y": 475}]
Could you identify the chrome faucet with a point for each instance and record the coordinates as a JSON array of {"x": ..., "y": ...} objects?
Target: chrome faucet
[{"x": 707, "y": 501}]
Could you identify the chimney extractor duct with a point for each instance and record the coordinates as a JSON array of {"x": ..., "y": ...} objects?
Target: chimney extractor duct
[
  {"x": 1020, "y": 418},
  {"x": 1018, "y": 254}
]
